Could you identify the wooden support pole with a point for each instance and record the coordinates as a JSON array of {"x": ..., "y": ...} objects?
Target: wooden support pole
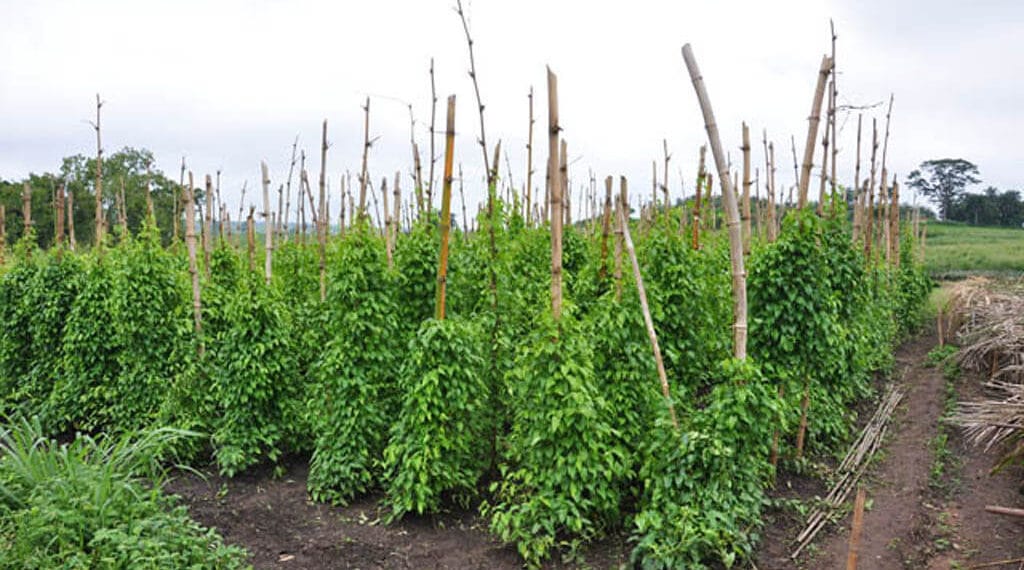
[
  {"x": 360, "y": 214},
  {"x": 529, "y": 162},
  {"x": 812, "y": 130},
  {"x": 250, "y": 237},
  {"x": 193, "y": 269},
  {"x": 746, "y": 190},
  {"x": 26, "y": 208},
  {"x": 701, "y": 175},
  {"x": 98, "y": 231},
  {"x": 267, "y": 224},
  {"x": 739, "y": 284},
  {"x": 554, "y": 167},
  {"x": 648, "y": 321},
  {"x": 855, "y": 531},
  {"x": 606, "y": 218},
  {"x": 621, "y": 205},
  {"x": 322, "y": 219},
  {"x": 446, "y": 210},
  {"x": 58, "y": 219},
  {"x": 207, "y": 226}
]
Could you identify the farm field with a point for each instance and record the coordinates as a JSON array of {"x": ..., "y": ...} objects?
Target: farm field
[
  {"x": 956, "y": 250},
  {"x": 753, "y": 355}
]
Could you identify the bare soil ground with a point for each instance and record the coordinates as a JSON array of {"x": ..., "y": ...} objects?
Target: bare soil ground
[
  {"x": 913, "y": 521},
  {"x": 916, "y": 519}
]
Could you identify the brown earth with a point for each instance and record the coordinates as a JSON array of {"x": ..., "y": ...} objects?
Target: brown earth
[
  {"x": 915, "y": 519},
  {"x": 911, "y": 522}
]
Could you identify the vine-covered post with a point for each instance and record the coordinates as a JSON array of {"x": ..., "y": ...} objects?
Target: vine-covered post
[
  {"x": 555, "y": 182},
  {"x": 812, "y": 130},
  {"x": 250, "y": 237},
  {"x": 360, "y": 214},
  {"x": 207, "y": 226},
  {"x": 446, "y": 209},
  {"x": 739, "y": 283},
  {"x": 58, "y": 219},
  {"x": 648, "y": 321},
  {"x": 193, "y": 269}
]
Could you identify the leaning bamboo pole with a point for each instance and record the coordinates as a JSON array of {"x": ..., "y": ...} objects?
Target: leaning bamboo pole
[
  {"x": 267, "y": 224},
  {"x": 554, "y": 167},
  {"x": 739, "y": 283},
  {"x": 282, "y": 220},
  {"x": 648, "y": 321},
  {"x": 812, "y": 130},
  {"x": 193, "y": 269},
  {"x": 834, "y": 102},
  {"x": 746, "y": 190},
  {"x": 820, "y": 209},
  {"x": 446, "y": 210}
]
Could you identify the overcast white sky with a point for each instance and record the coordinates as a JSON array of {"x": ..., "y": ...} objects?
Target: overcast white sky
[{"x": 229, "y": 83}]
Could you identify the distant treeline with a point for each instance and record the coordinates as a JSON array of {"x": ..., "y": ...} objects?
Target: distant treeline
[{"x": 990, "y": 208}]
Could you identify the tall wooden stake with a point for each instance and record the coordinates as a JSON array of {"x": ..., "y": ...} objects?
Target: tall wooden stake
[
  {"x": 193, "y": 269},
  {"x": 529, "y": 163},
  {"x": 701, "y": 175},
  {"x": 648, "y": 322},
  {"x": 98, "y": 233},
  {"x": 3, "y": 232},
  {"x": 207, "y": 226},
  {"x": 870, "y": 215},
  {"x": 26, "y": 208},
  {"x": 282, "y": 221},
  {"x": 746, "y": 190},
  {"x": 812, "y": 130},
  {"x": 433, "y": 156},
  {"x": 446, "y": 210},
  {"x": 361, "y": 213},
  {"x": 58, "y": 219},
  {"x": 739, "y": 283},
  {"x": 267, "y": 224},
  {"x": 72, "y": 243},
  {"x": 322, "y": 219},
  {"x": 554, "y": 167},
  {"x": 606, "y": 219},
  {"x": 621, "y": 203}
]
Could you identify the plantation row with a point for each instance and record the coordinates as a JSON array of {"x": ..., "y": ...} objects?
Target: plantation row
[{"x": 556, "y": 429}]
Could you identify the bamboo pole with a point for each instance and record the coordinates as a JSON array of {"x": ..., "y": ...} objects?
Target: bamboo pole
[
  {"x": 250, "y": 236},
  {"x": 462, "y": 198},
  {"x": 190, "y": 242},
  {"x": 606, "y": 219},
  {"x": 300, "y": 212},
  {"x": 696, "y": 200},
  {"x": 554, "y": 167},
  {"x": 122, "y": 208},
  {"x": 322, "y": 219},
  {"x": 773, "y": 226},
  {"x": 98, "y": 232},
  {"x": 149, "y": 191},
  {"x": 869, "y": 217},
  {"x": 58, "y": 219},
  {"x": 72, "y": 243},
  {"x": 433, "y": 156},
  {"x": 746, "y": 190},
  {"x": 397, "y": 205},
  {"x": 812, "y": 129},
  {"x": 268, "y": 224},
  {"x": 282, "y": 208},
  {"x": 857, "y": 213},
  {"x": 664, "y": 185},
  {"x": 387, "y": 224},
  {"x": 446, "y": 209},
  {"x": 820, "y": 209},
  {"x": 3, "y": 232},
  {"x": 834, "y": 99},
  {"x": 207, "y": 226},
  {"x": 529, "y": 161},
  {"x": 894, "y": 225},
  {"x": 476, "y": 89},
  {"x": 563, "y": 169},
  {"x": 739, "y": 284},
  {"x": 648, "y": 322},
  {"x": 360, "y": 214},
  {"x": 26, "y": 208},
  {"x": 620, "y": 208}
]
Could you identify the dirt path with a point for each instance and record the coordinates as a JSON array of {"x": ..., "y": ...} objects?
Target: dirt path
[{"x": 917, "y": 519}]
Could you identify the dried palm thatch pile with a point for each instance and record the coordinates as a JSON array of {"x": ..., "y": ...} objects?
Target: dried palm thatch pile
[{"x": 989, "y": 320}]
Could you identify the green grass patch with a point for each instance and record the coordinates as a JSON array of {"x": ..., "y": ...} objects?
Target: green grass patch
[{"x": 954, "y": 250}]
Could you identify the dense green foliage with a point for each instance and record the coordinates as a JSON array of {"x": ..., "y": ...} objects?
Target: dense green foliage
[
  {"x": 86, "y": 505},
  {"x": 559, "y": 429}
]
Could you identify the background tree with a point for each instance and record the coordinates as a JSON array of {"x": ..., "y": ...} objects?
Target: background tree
[{"x": 944, "y": 180}]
